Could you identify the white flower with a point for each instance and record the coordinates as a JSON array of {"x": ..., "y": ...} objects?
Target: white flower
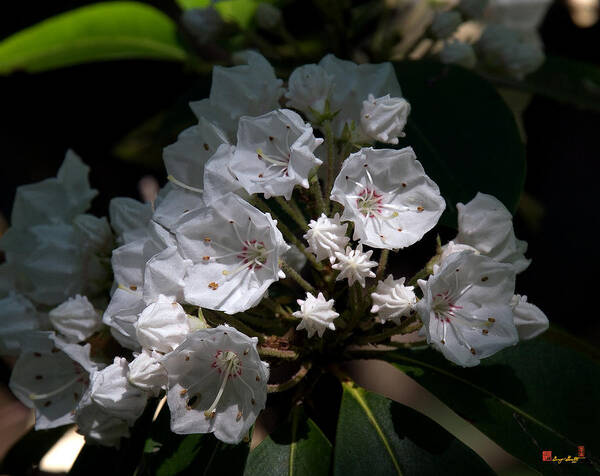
[
  {"x": 176, "y": 202},
  {"x": 76, "y": 318},
  {"x": 146, "y": 373},
  {"x": 217, "y": 384},
  {"x": 316, "y": 313},
  {"x": 219, "y": 180},
  {"x": 54, "y": 200},
  {"x": 129, "y": 218},
  {"x": 384, "y": 118},
  {"x": 18, "y": 316},
  {"x": 110, "y": 389},
  {"x": 450, "y": 248},
  {"x": 354, "y": 265},
  {"x": 52, "y": 379},
  {"x": 246, "y": 90},
  {"x": 457, "y": 52},
  {"x": 122, "y": 314},
  {"x": 164, "y": 274},
  {"x": 185, "y": 159},
  {"x": 389, "y": 198},
  {"x": 274, "y": 153},
  {"x": 235, "y": 250},
  {"x": 326, "y": 236},
  {"x": 163, "y": 325},
  {"x": 529, "y": 319},
  {"x": 466, "y": 310},
  {"x": 444, "y": 24},
  {"x": 308, "y": 89},
  {"x": 392, "y": 300},
  {"x": 353, "y": 83},
  {"x": 97, "y": 425},
  {"x": 485, "y": 224},
  {"x": 94, "y": 234}
]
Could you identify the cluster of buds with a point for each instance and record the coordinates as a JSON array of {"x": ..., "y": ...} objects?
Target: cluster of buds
[{"x": 262, "y": 210}]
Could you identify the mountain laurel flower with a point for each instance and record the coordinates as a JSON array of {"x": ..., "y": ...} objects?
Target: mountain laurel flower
[
  {"x": 97, "y": 425},
  {"x": 466, "y": 309},
  {"x": 163, "y": 325},
  {"x": 274, "y": 153},
  {"x": 219, "y": 179},
  {"x": 51, "y": 377},
  {"x": 485, "y": 224},
  {"x": 121, "y": 315},
  {"x": 129, "y": 218},
  {"x": 217, "y": 384},
  {"x": 326, "y": 236},
  {"x": 354, "y": 265},
  {"x": 185, "y": 159},
  {"x": 352, "y": 84},
  {"x": 309, "y": 87},
  {"x": 529, "y": 319},
  {"x": 388, "y": 197},
  {"x": 450, "y": 248},
  {"x": 76, "y": 319},
  {"x": 18, "y": 317},
  {"x": 444, "y": 24},
  {"x": 235, "y": 250},
  {"x": 392, "y": 300},
  {"x": 111, "y": 389},
  {"x": 457, "y": 52},
  {"x": 316, "y": 313},
  {"x": 384, "y": 118},
  {"x": 146, "y": 372},
  {"x": 249, "y": 89}
]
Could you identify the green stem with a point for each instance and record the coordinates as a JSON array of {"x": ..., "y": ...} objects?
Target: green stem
[
  {"x": 292, "y": 381},
  {"x": 315, "y": 188},
  {"x": 265, "y": 351},
  {"x": 383, "y": 259},
  {"x": 278, "y": 310},
  {"x": 297, "y": 217},
  {"x": 261, "y": 205},
  {"x": 292, "y": 273},
  {"x": 356, "y": 308}
]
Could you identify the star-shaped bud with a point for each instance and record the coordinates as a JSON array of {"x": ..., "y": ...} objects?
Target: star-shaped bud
[
  {"x": 388, "y": 196},
  {"x": 392, "y": 300},
  {"x": 217, "y": 384},
  {"x": 384, "y": 118},
  {"x": 316, "y": 313},
  {"x": 274, "y": 153},
  {"x": 466, "y": 309},
  {"x": 326, "y": 236},
  {"x": 354, "y": 265}
]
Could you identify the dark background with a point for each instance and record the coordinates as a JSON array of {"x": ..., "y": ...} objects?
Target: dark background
[{"x": 91, "y": 107}]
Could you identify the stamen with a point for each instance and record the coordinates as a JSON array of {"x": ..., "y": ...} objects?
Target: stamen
[{"x": 170, "y": 178}]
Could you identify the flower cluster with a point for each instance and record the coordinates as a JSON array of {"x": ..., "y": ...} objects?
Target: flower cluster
[{"x": 202, "y": 276}]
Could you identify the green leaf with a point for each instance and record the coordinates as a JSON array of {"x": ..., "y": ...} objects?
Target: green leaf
[
  {"x": 99, "y": 32},
  {"x": 532, "y": 397},
  {"x": 377, "y": 436},
  {"x": 463, "y": 133},
  {"x": 299, "y": 448},
  {"x": 169, "y": 454}
]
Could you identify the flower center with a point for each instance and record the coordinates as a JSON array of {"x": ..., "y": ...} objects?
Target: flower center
[
  {"x": 228, "y": 364},
  {"x": 369, "y": 202},
  {"x": 253, "y": 252}
]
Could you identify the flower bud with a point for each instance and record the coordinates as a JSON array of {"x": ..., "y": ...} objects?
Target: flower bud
[
  {"x": 384, "y": 118},
  {"x": 267, "y": 16},
  {"x": 76, "y": 319},
  {"x": 458, "y": 53},
  {"x": 445, "y": 24},
  {"x": 308, "y": 89},
  {"x": 146, "y": 373}
]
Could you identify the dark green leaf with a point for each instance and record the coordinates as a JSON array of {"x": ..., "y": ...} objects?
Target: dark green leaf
[
  {"x": 532, "y": 397},
  {"x": 30, "y": 449},
  {"x": 299, "y": 448},
  {"x": 103, "y": 31},
  {"x": 463, "y": 133},
  {"x": 377, "y": 436}
]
